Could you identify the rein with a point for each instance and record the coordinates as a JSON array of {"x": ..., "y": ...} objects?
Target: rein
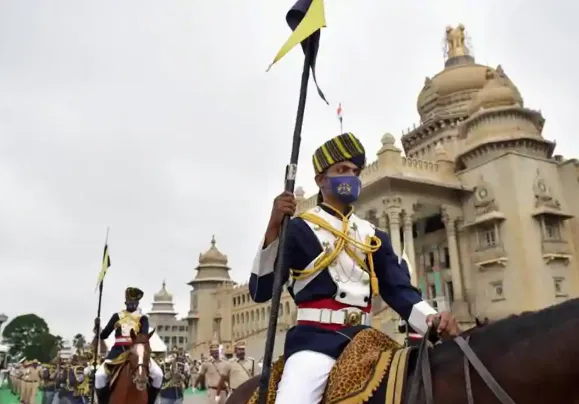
[
  {"x": 423, "y": 375},
  {"x": 140, "y": 379}
]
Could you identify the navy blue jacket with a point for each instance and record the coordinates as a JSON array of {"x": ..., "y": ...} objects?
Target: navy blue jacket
[{"x": 302, "y": 247}]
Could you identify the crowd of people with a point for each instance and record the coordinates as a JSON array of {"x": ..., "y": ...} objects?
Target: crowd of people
[
  {"x": 67, "y": 380},
  {"x": 62, "y": 381}
]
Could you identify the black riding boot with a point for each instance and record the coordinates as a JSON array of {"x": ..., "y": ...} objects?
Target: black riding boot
[
  {"x": 103, "y": 395},
  {"x": 152, "y": 393}
]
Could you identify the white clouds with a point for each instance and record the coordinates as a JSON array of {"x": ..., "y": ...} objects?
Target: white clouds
[{"x": 158, "y": 119}]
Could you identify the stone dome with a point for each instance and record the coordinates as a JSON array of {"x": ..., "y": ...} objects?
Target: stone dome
[
  {"x": 387, "y": 139},
  {"x": 498, "y": 91},
  {"x": 466, "y": 76},
  {"x": 450, "y": 92},
  {"x": 163, "y": 295},
  {"x": 213, "y": 256}
]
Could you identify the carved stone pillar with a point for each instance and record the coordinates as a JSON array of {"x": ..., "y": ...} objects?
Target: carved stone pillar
[
  {"x": 409, "y": 247},
  {"x": 449, "y": 219},
  {"x": 383, "y": 222},
  {"x": 394, "y": 220},
  {"x": 393, "y": 208}
]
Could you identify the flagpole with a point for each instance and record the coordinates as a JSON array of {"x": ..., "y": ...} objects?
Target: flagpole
[
  {"x": 98, "y": 329},
  {"x": 290, "y": 178}
]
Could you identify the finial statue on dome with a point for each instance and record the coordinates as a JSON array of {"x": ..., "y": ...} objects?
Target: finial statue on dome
[
  {"x": 455, "y": 41},
  {"x": 213, "y": 240}
]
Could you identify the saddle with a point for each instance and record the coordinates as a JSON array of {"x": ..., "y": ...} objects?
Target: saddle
[
  {"x": 372, "y": 366},
  {"x": 113, "y": 367}
]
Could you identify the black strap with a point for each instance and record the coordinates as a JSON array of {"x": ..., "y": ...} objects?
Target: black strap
[
  {"x": 469, "y": 396},
  {"x": 483, "y": 372},
  {"x": 422, "y": 373},
  {"x": 423, "y": 376}
]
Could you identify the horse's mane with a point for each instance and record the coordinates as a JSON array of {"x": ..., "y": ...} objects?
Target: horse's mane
[{"x": 498, "y": 337}]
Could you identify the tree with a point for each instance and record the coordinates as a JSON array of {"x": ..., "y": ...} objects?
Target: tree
[
  {"x": 44, "y": 347},
  {"x": 79, "y": 342},
  {"x": 24, "y": 331}
]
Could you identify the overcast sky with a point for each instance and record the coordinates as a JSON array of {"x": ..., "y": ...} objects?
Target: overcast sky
[{"x": 157, "y": 118}]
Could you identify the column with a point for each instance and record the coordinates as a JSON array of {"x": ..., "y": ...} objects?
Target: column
[
  {"x": 383, "y": 222},
  {"x": 449, "y": 221},
  {"x": 409, "y": 247},
  {"x": 394, "y": 220}
]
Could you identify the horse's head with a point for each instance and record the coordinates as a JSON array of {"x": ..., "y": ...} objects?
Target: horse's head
[{"x": 139, "y": 359}]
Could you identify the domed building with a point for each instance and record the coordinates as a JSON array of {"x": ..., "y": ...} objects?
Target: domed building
[
  {"x": 222, "y": 310},
  {"x": 212, "y": 272},
  {"x": 478, "y": 201},
  {"x": 163, "y": 317}
]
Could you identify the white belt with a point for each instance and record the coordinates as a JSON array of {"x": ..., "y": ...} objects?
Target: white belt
[
  {"x": 123, "y": 339},
  {"x": 351, "y": 316}
]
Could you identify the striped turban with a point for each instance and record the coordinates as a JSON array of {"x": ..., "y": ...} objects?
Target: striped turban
[{"x": 345, "y": 147}]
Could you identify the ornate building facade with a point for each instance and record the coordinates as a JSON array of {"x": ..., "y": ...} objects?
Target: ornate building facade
[
  {"x": 483, "y": 208},
  {"x": 163, "y": 317}
]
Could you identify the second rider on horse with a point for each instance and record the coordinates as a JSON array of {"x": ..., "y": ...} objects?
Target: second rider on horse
[
  {"x": 337, "y": 262},
  {"x": 122, "y": 323}
]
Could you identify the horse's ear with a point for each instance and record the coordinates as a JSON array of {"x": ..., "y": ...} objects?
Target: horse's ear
[
  {"x": 478, "y": 322},
  {"x": 151, "y": 333},
  {"x": 133, "y": 335}
]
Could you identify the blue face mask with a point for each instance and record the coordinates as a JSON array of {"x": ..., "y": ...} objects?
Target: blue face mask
[{"x": 345, "y": 188}]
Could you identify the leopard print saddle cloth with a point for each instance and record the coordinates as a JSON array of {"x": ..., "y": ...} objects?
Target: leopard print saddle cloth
[{"x": 370, "y": 360}]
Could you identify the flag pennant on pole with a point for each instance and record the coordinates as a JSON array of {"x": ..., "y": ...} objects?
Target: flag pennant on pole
[
  {"x": 340, "y": 118},
  {"x": 306, "y": 19},
  {"x": 105, "y": 265}
]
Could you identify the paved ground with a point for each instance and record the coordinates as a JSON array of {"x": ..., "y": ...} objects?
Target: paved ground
[
  {"x": 196, "y": 399},
  {"x": 7, "y": 398}
]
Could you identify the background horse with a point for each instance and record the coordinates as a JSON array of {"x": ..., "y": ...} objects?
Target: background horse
[
  {"x": 131, "y": 383},
  {"x": 534, "y": 357}
]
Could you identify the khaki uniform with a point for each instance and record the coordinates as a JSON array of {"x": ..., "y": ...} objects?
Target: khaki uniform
[
  {"x": 18, "y": 380},
  {"x": 15, "y": 381},
  {"x": 31, "y": 380},
  {"x": 241, "y": 371},
  {"x": 214, "y": 369}
]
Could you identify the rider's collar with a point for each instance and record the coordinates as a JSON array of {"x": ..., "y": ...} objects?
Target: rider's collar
[{"x": 334, "y": 212}]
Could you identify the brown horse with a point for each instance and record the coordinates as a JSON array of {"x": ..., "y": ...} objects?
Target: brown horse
[
  {"x": 132, "y": 380},
  {"x": 533, "y": 356}
]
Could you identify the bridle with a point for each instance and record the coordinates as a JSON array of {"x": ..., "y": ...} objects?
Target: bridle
[
  {"x": 423, "y": 375},
  {"x": 140, "y": 372}
]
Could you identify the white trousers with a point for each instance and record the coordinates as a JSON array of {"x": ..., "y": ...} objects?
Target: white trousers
[
  {"x": 101, "y": 378},
  {"x": 304, "y": 378}
]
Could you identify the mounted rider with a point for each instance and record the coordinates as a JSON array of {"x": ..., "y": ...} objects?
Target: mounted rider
[
  {"x": 337, "y": 262},
  {"x": 122, "y": 323}
]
